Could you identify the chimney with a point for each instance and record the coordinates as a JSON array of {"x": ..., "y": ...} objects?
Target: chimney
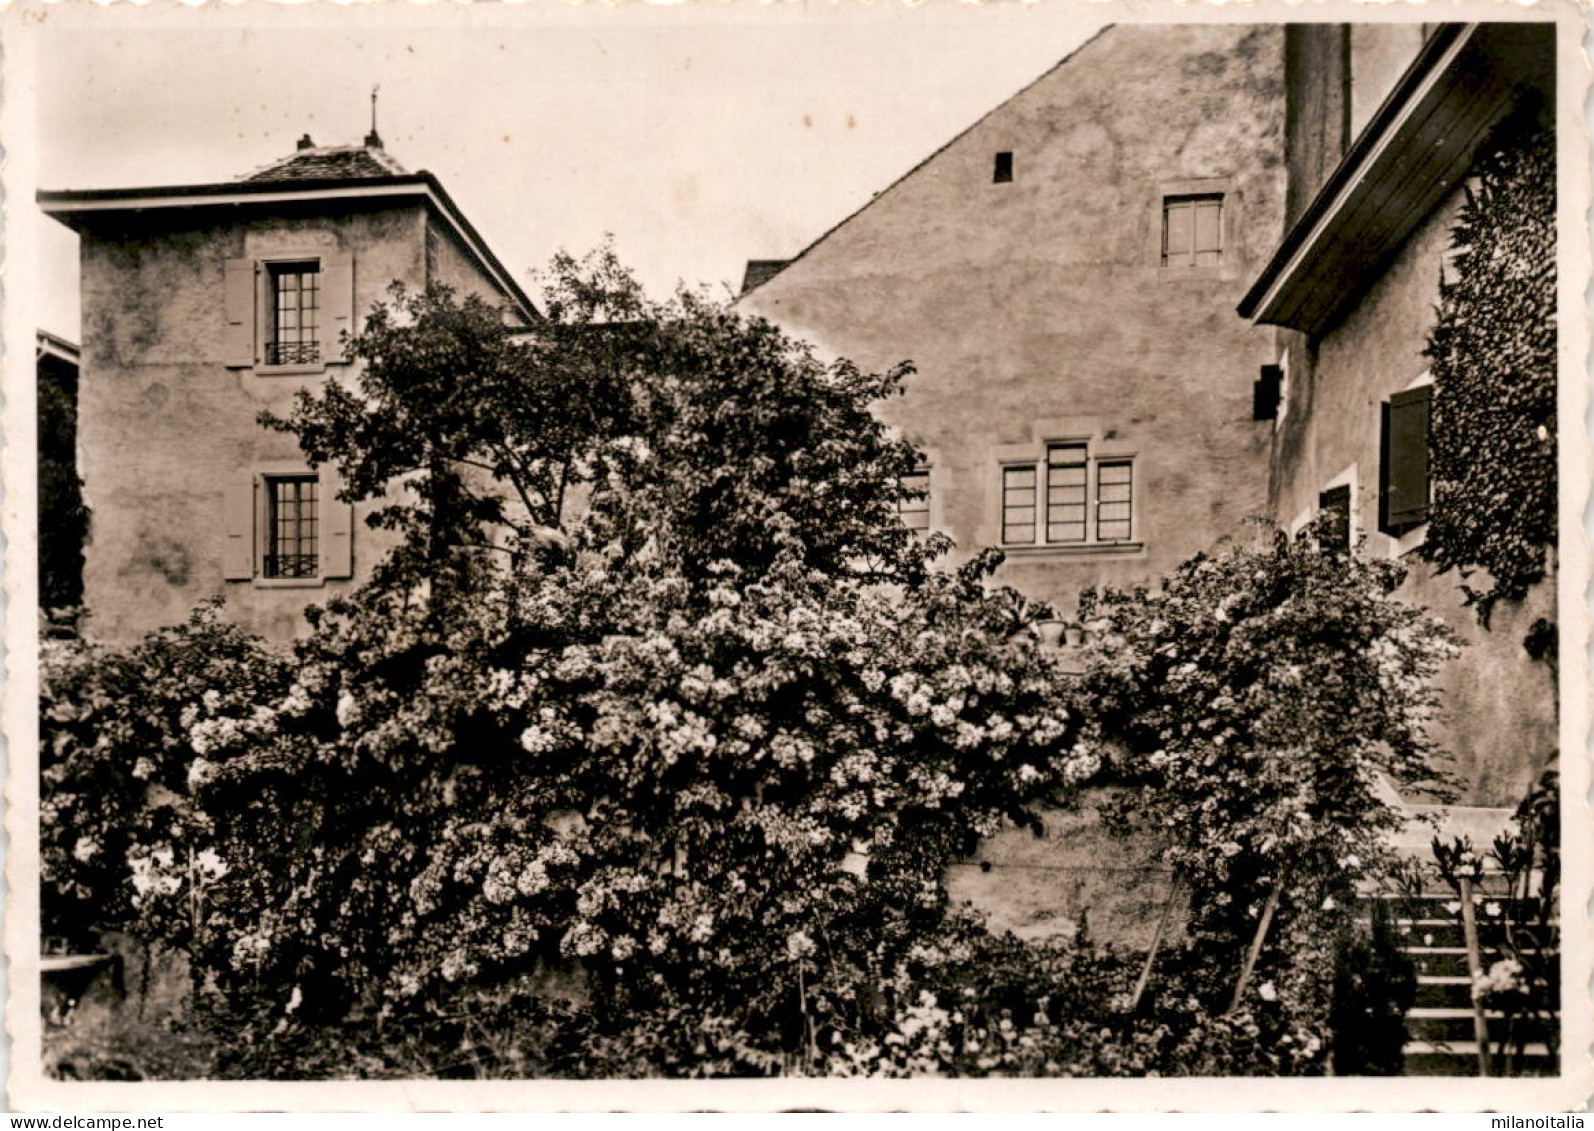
[{"x": 306, "y": 143}]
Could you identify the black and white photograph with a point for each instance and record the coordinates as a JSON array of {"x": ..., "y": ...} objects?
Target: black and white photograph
[{"x": 797, "y": 556}]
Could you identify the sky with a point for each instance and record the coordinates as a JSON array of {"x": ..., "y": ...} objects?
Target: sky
[{"x": 698, "y": 135}]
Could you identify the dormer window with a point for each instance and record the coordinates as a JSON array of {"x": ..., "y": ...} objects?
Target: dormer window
[
  {"x": 1004, "y": 168},
  {"x": 294, "y": 330}
]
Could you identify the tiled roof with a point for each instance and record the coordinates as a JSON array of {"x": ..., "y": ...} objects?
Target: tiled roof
[{"x": 330, "y": 163}]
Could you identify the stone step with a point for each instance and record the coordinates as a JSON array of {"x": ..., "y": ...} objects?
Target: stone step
[
  {"x": 1451, "y": 1024},
  {"x": 1460, "y": 1058},
  {"x": 1450, "y": 960},
  {"x": 1448, "y": 934},
  {"x": 1444, "y": 991},
  {"x": 1447, "y": 905}
]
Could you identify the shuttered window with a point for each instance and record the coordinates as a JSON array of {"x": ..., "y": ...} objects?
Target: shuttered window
[
  {"x": 291, "y": 312},
  {"x": 287, "y": 527},
  {"x": 1403, "y": 487},
  {"x": 1192, "y": 230}
]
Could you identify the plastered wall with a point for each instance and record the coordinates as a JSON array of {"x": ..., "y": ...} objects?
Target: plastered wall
[
  {"x": 165, "y": 426},
  {"x": 1498, "y": 725},
  {"x": 1045, "y": 299}
]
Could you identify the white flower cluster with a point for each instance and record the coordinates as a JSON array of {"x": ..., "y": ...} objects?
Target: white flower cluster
[{"x": 1504, "y": 977}]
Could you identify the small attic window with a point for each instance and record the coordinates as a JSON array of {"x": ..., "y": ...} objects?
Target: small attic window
[{"x": 1004, "y": 168}]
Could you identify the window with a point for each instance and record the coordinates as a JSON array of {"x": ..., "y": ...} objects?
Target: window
[
  {"x": 1115, "y": 495},
  {"x": 289, "y": 312},
  {"x": 1066, "y": 472},
  {"x": 291, "y": 529},
  {"x": 1192, "y": 230},
  {"x": 285, "y": 526},
  {"x": 1004, "y": 168},
  {"x": 1072, "y": 496},
  {"x": 295, "y": 305},
  {"x": 1335, "y": 503},
  {"x": 1018, "y": 505},
  {"x": 915, "y": 512},
  {"x": 1403, "y": 480}
]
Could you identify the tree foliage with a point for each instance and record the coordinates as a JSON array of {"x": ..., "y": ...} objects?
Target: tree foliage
[
  {"x": 63, "y": 516},
  {"x": 1257, "y": 709},
  {"x": 1493, "y": 348},
  {"x": 657, "y": 688}
]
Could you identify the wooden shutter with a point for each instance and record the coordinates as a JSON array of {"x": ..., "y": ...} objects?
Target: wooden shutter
[
  {"x": 238, "y": 522},
  {"x": 337, "y": 292},
  {"x": 1403, "y": 460},
  {"x": 337, "y": 528},
  {"x": 238, "y": 340},
  {"x": 1335, "y": 502}
]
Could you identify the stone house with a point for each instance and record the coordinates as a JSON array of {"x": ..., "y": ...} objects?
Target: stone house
[
  {"x": 1390, "y": 126},
  {"x": 204, "y": 305},
  {"x": 1063, "y": 275},
  {"x": 1385, "y": 124}
]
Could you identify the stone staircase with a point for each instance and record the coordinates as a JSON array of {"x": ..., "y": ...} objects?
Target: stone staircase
[{"x": 1442, "y": 1039}]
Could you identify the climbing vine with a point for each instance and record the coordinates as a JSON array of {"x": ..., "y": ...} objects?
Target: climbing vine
[{"x": 1492, "y": 441}]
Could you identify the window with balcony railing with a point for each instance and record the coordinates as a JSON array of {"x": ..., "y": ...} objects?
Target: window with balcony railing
[
  {"x": 295, "y": 314},
  {"x": 292, "y": 547}
]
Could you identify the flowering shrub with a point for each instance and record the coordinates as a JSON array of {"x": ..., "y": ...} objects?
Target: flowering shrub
[
  {"x": 1254, "y": 704},
  {"x": 702, "y": 743},
  {"x": 1256, "y": 701},
  {"x": 117, "y": 832}
]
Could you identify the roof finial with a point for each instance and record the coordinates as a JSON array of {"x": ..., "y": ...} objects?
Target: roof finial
[{"x": 373, "y": 140}]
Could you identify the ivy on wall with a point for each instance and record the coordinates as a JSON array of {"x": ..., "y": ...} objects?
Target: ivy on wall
[{"x": 1492, "y": 441}]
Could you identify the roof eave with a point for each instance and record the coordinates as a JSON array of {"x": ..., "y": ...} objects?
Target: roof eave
[
  {"x": 1412, "y": 154},
  {"x": 77, "y": 209}
]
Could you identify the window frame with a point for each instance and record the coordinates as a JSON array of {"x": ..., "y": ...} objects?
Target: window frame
[
  {"x": 1229, "y": 264},
  {"x": 1348, "y": 480},
  {"x": 917, "y": 507},
  {"x": 271, "y": 271},
  {"x": 305, "y": 529},
  {"x": 1097, "y": 449},
  {"x": 1194, "y": 201}
]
